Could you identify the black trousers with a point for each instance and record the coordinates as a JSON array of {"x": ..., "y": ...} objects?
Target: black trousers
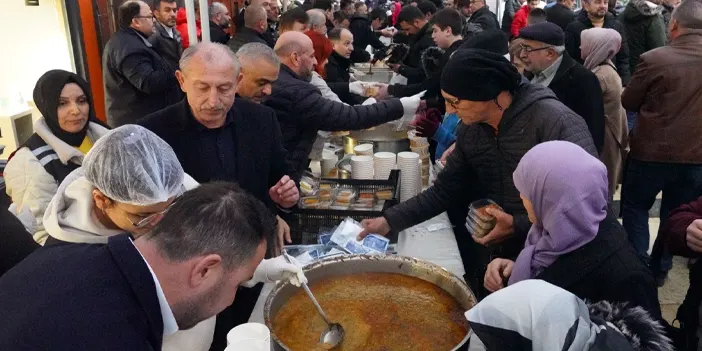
[{"x": 236, "y": 314}]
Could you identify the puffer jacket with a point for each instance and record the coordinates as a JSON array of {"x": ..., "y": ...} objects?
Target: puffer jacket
[
  {"x": 482, "y": 163},
  {"x": 302, "y": 111},
  {"x": 645, "y": 28},
  {"x": 69, "y": 218},
  {"x": 28, "y": 183}
]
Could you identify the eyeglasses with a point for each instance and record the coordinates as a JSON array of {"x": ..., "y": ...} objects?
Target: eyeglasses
[
  {"x": 150, "y": 219},
  {"x": 453, "y": 102},
  {"x": 529, "y": 50}
]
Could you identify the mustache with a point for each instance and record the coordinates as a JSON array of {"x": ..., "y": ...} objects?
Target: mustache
[{"x": 215, "y": 108}]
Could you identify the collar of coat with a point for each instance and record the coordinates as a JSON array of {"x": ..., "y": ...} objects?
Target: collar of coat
[{"x": 64, "y": 151}]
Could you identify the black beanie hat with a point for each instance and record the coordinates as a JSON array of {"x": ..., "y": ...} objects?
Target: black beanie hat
[
  {"x": 545, "y": 32},
  {"x": 493, "y": 40},
  {"x": 478, "y": 75}
]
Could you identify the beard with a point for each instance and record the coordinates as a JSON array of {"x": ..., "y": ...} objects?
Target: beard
[{"x": 193, "y": 311}]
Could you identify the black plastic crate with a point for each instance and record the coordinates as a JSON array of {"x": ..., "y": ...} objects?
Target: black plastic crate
[{"x": 305, "y": 224}]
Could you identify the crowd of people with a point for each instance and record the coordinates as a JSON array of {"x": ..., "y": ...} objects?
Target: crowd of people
[{"x": 130, "y": 234}]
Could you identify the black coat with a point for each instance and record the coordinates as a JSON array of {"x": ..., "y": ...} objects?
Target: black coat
[
  {"x": 579, "y": 89},
  {"x": 169, "y": 48},
  {"x": 244, "y": 36},
  {"x": 363, "y": 35},
  {"x": 338, "y": 76},
  {"x": 482, "y": 164},
  {"x": 432, "y": 84},
  {"x": 217, "y": 34},
  {"x": 645, "y": 29},
  {"x": 302, "y": 112},
  {"x": 485, "y": 19},
  {"x": 137, "y": 80},
  {"x": 560, "y": 15},
  {"x": 607, "y": 268},
  {"x": 412, "y": 67},
  {"x": 582, "y": 22},
  {"x": 260, "y": 157},
  {"x": 511, "y": 8},
  {"x": 15, "y": 242},
  {"x": 81, "y": 297}
]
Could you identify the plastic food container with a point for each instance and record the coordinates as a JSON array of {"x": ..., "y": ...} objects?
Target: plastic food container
[{"x": 478, "y": 221}]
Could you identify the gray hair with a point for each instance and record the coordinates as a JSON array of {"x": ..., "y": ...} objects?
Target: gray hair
[
  {"x": 689, "y": 14},
  {"x": 317, "y": 18},
  {"x": 559, "y": 49},
  {"x": 210, "y": 53},
  {"x": 214, "y": 218},
  {"x": 253, "y": 15},
  {"x": 216, "y": 8},
  {"x": 256, "y": 52}
]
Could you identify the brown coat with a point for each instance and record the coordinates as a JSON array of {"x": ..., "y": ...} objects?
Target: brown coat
[
  {"x": 665, "y": 91},
  {"x": 616, "y": 141}
]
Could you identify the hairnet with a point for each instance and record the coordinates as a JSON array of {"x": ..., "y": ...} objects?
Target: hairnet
[{"x": 130, "y": 164}]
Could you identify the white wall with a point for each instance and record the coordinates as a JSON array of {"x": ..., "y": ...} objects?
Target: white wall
[{"x": 33, "y": 40}]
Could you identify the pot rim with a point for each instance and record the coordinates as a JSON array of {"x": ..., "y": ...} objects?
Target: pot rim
[{"x": 405, "y": 259}]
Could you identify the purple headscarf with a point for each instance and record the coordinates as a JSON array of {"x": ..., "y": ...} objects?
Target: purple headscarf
[{"x": 568, "y": 189}]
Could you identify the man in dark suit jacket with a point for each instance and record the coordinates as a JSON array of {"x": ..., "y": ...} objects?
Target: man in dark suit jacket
[
  {"x": 136, "y": 78},
  {"x": 253, "y": 32},
  {"x": 218, "y": 137},
  {"x": 561, "y": 13},
  {"x": 166, "y": 39},
  {"x": 544, "y": 55},
  {"x": 482, "y": 16},
  {"x": 597, "y": 12},
  {"x": 129, "y": 293},
  {"x": 219, "y": 21}
]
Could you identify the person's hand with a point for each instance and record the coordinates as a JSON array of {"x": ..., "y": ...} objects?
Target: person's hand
[
  {"x": 284, "y": 193},
  {"x": 694, "y": 235},
  {"x": 428, "y": 123},
  {"x": 357, "y": 88},
  {"x": 388, "y": 32},
  {"x": 497, "y": 274},
  {"x": 274, "y": 269},
  {"x": 410, "y": 104},
  {"x": 382, "y": 92},
  {"x": 503, "y": 229},
  {"x": 447, "y": 153},
  {"x": 395, "y": 67},
  {"x": 378, "y": 226},
  {"x": 283, "y": 236}
]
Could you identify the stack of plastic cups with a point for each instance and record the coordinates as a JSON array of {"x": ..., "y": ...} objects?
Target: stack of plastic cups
[{"x": 410, "y": 176}]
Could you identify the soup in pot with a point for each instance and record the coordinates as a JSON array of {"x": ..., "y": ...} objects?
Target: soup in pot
[{"x": 379, "y": 312}]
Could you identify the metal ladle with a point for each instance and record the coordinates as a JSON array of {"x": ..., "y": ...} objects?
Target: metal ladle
[{"x": 332, "y": 336}]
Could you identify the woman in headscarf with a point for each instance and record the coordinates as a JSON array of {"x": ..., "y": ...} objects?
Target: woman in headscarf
[
  {"x": 597, "y": 48},
  {"x": 64, "y": 134},
  {"x": 535, "y": 315},
  {"x": 574, "y": 241},
  {"x": 127, "y": 182}
]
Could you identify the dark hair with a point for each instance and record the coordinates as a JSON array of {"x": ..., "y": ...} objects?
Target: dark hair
[
  {"x": 378, "y": 14},
  {"x": 335, "y": 34},
  {"x": 214, "y": 218},
  {"x": 344, "y": 3},
  {"x": 127, "y": 12},
  {"x": 325, "y": 5},
  {"x": 156, "y": 5},
  {"x": 288, "y": 18},
  {"x": 340, "y": 16},
  {"x": 462, "y": 3},
  {"x": 426, "y": 7},
  {"x": 536, "y": 15},
  {"x": 359, "y": 4},
  {"x": 409, "y": 14},
  {"x": 448, "y": 18}
]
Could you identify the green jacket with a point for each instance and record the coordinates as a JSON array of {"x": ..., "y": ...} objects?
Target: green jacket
[{"x": 645, "y": 30}]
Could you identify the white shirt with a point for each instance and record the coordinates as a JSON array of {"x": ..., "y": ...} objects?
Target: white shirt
[
  {"x": 170, "y": 326},
  {"x": 169, "y": 30}
]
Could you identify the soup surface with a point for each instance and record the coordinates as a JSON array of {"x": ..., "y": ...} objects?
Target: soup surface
[{"x": 379, "y": 312}]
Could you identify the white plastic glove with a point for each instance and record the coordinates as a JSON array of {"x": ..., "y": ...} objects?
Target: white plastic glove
[
  {"x": 369, "y": 101},
  {"x": 274, "y": 269},
  {"x": 357, "y": 87},
  {"x": 410, "y": 104}
]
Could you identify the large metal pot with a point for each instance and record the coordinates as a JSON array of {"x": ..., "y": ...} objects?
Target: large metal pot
[{"x": 341, "y": 265}]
